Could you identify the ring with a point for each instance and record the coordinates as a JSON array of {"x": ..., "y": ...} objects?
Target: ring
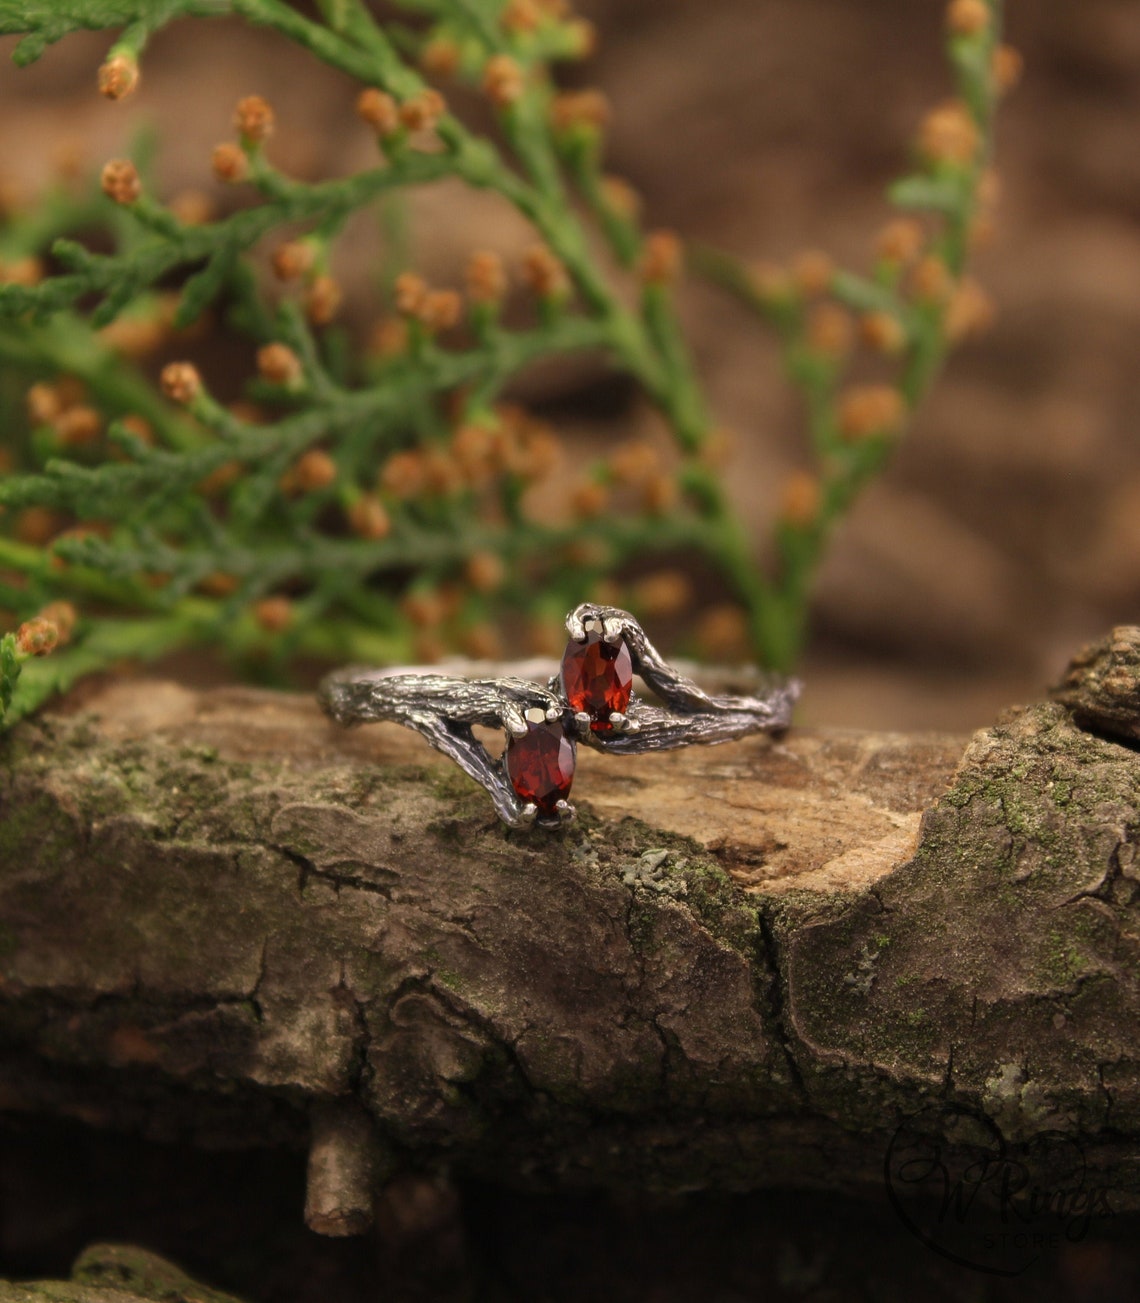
[{"x": 590, "y": 700}]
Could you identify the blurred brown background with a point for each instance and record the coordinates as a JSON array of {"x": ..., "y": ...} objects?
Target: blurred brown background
[{"x": 1008, "y": 528}]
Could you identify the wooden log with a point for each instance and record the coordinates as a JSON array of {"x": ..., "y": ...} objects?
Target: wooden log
[{"x": 223, "y": 916}]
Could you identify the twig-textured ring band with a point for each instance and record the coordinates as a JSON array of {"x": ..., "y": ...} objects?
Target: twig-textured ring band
[{"x": 590, "y": 700}]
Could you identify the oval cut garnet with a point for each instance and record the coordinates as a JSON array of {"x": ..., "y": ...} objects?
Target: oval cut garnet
[
  {"x": 541, "y": 764},
  {"x": 597, "y": 677}
]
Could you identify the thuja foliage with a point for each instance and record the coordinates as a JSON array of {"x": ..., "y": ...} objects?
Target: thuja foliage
[{"x": 381, "y": 502}]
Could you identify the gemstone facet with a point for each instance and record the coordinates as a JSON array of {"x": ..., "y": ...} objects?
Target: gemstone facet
[
  {"x": 597, "y": 677},
  {"x": 540, "y": 764}
]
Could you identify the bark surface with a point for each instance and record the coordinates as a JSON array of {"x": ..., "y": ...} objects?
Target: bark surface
[{"x": 224, "y": 917}]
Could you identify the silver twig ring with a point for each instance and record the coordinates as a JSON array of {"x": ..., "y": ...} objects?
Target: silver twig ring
[{"x": 590, "y": 700}]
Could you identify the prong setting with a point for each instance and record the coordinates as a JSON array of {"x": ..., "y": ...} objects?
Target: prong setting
[
  {"x": 526, "y": 817},
  {"x": 514, "y": 721}
]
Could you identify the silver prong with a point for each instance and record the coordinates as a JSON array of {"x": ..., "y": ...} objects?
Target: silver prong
[
  {"x": 526, "y": 816},
  {"x": 574, "y": 626},
  {"x": 553, "y": 713},
  {"x": 581, "y": 720},
  {"x": 566, "y": 812},
  {"x": 612, "y": 630},
  {"x": 514, "y": 722},
  {"x": 618, "y": 721}
]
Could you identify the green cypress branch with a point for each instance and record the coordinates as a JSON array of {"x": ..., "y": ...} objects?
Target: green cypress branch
[{"x": 376, "y": 507}]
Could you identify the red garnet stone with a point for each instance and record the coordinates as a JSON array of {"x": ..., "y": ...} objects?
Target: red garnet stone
[
  {"x": 597, "y": 677},
  {"x": 540, "y": 765}
]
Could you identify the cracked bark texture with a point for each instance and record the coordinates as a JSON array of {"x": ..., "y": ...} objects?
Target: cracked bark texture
[{"x": 222, "y": 917}]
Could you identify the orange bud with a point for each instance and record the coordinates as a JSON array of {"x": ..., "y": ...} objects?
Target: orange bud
[
  {"x": 866, "y": 410},
  {"x": 424, "y": 609},
  {"x": 118, "y": 77},
  {"x": 950, "y": 135},
  {"x": 722, "y": 632},
  {"x": 931, "y": 280},
  {"x": 988, "y": 189},
  {"x": 535, "y": 451},
  {"x": 292, "y": 259},
  {"x": 521, "y": 16},
  {"x": 588, "y": 501},
  {"x": 229, "y": 162},
  {"x": 660, "y": 494},
  {"x": 581, "y": 108},
  {"x": 967, "y": 17},
  {"x": 43, "y": 404},
  {"x": 661, "y": 258},
  {"x": 24, "y": 271},
  {"x": 220, "y": 478},
  {"x": 78, "y": 426},
  {"x": 181, "y": 382},
  {"x": 634, "y": 463},
  {"x": 474, "y": 449},
  {"x": 970, "y": 312},
  {"x": 192, "y": 207},
  {"x": 134, "y": 336},
  {"x": 139, "y": 426},
  {"x": 404, "y": 474},
  {"x": 409, "y": 292},
  {"x": 219, "y": 584},
  {"x": 666, "y": 593},
  {"x": 770, "y": 282},
  {"x": 421, "y": 112},
  {"x": 800, "y": 500},
  {"x": 379, "y": 110},
  {"x": 582, "y": 37},
  {"x": 486, "y": 277},
  {"x": 274, "y": 614},
  {"x": 545, "y": 637},
  {"x": 812, "y": 271},
  {"x": 544, "y": 273},
  {"x": 254, "y": 120},
  {"x": 883, "y": 332},
  {"x": 120, "y": 181},
  {"x": 389, "y": 338},
  {"x": 440, "y": 309},
  {"x": 900, "y": 241},
  {"x": 37, "y": 525},
  {"x": 322, "y": 300},
  {"x": 278, "y": 364},
  {"x": 311, "y": 471},
  {"x": 621, "y": 197},
  {"x": 482, "y": 642},
  {"x": 718, "y": 448},
  {"x": 440, "y": 57},
  {"x": 368, "y": 519},
  {"x": 1008, "y": 65},
  {"x": 503, "y": 81},
  {"x": 829, "y": 330},
  {"x": 485, "y": 571},
  {"x": 36, "y": 637},
  {"x": 64, "y": 616},
  {"x": 441, "y": 474}
]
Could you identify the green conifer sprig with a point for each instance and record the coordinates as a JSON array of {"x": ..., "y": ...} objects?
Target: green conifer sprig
[{"x": 378, "y": 508}]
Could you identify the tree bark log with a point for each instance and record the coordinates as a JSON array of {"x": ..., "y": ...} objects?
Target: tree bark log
[{"x": 748, "y": 965}]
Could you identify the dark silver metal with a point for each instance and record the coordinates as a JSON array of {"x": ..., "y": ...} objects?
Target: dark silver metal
[{"x": 444, "y": 709}]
